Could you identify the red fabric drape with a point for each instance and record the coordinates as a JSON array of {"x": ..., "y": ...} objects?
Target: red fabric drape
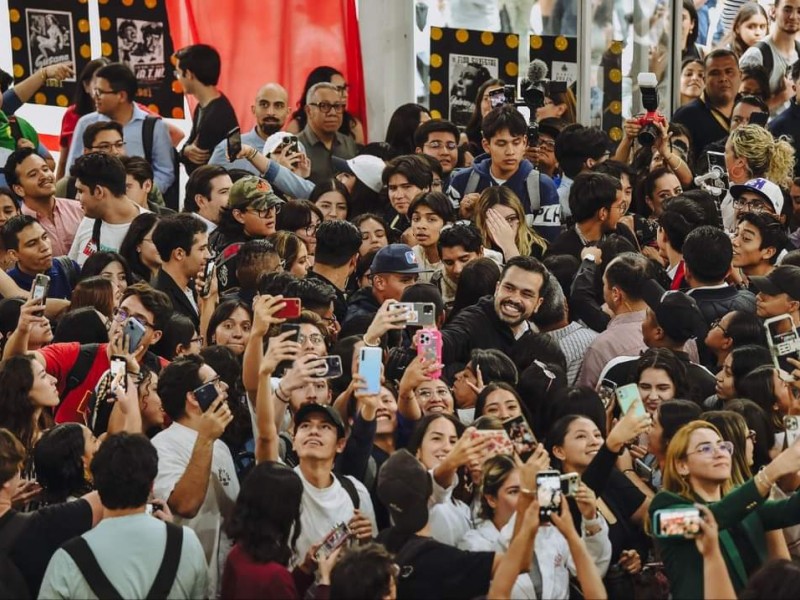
[{"x": 279, "y": 41}]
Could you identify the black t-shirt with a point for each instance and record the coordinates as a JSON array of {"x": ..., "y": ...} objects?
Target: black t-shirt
[
  {"x": 47, "y": 530},
  {"x": 624, "y": 499},
  {"x": 437, "y": 570},
  {"x": 210, "y": 125}
]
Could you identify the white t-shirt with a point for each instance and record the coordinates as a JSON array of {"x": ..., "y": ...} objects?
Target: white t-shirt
[
  {"x": 111, "y": 236},
  {"x": 175, "y": 445},
  {"x": 323, "y": 509}
]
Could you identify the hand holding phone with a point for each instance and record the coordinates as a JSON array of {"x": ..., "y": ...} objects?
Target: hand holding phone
[
  {"x": 119, "y": 371},
  {"x": 234, "y": 141},
  {"x": 370, "y": 361},
  {"x": 336, "y": 538},
  {"x": 682, "y": 521},
  {"x": 548, "y": 492},
  {"x": 40, "y": 287},
  {"x": 628, "y": 397}
]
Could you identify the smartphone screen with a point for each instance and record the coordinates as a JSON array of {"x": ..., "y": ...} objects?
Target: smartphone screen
[
  {"x": 337, "y": 537},
  {"x": 41, "y": 285},
  {"x": 499, "y": 442},
  {"x": 497, "y": 98},
  {"x": 548, "y": 492},
  {"x": 791, "y": 423},
  {"x": 119, "y": 368},
  {"x": 521, "y": 436},
  {"x": 677, "y": 522},
  {"x": 234, "y": 143},
  {"x": 783, "y": 341},
  {"x": 207, "y": 274}
]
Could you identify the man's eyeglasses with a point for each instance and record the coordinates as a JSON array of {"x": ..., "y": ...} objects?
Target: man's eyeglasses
[
  {"x": 108, "y": 146},
  {"x": 718, "y": 323},
  {"x": 437, "y": 145},
  {"x": 264, "y": 212},
  {"x": 121, "y": 315},
  {"x": 708, "y": 450},
  {"x": 314, "y": 338},
  {"x": 217, "y": 381},
  {"x": 548, "y": 145},
  {"x": 756, "y": 206},
  {"x": 327, "y": 107},
  {"x": 97, "y": 93}
]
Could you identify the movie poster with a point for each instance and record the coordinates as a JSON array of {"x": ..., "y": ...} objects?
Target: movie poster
[
  {"x": 460, "y": 62},
  {"x": 44, "y": 33},
  {"x": 137, "y": 36}
]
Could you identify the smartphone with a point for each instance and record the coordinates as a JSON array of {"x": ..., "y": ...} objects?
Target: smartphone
[
  {"x": 548, "y": 492},
  {"x": 716, "y": 163},
  {"x": 40, "y": 287},
  {"x": 642, "y": 470},
  {"x": 420, "y": 314},
  {"x": 782, "y": 341},
  {"x": 628, "y": 398},
  {"x": 119, "y": 366},
  {"x": 680, "y": 521},
  {"x": 499, "y": 442},
  {"x": 135, "y": 332},
  {"x": 429, "y": 347},
  {"x": 234, "y": 139},
  {"x": 791, "y": 424},
  {"x": 293, "y": 143},
  {"x": 330, "y": 367},
  {"x": 337, "y": 537},
  {"x": 291, "y": 310},
  {"x": 294, "y": 327},
  {"x": 206, "y": 394},
  {"x": 149, "y": 509},
  {"x": 521, "y": 436},
  {"x": 207, "y": 275},
  {"x": 497, "y": 97},
  {"x": 607, "y": 392},
  {"x": 369, "y": 366},
  {"x": 570, "y": 482}
]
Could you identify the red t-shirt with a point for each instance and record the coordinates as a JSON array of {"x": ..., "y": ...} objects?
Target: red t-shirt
[
  {"x": 245, "y": 578},
  {"x": 59, "y": 360}
]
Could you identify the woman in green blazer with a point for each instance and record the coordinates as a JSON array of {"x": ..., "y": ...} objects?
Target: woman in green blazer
[{"x": 698, "y": 469}]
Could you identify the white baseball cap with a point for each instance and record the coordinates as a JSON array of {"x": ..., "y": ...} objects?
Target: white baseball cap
[{"x": 764, "y": 188}]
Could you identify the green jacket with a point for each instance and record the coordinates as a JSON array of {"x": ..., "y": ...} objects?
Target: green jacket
[{"x": 744, "y": 506}]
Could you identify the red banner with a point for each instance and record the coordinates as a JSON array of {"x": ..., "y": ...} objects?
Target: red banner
[{"x": 263, "y": 41}]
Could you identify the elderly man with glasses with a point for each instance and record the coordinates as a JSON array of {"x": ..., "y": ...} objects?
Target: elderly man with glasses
[{"x": 325, "y": 107}]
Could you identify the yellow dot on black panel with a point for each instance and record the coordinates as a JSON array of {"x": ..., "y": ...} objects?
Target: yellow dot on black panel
[
  {"x": 462, "y": 35},
  {"x": 436, "y": 87}
]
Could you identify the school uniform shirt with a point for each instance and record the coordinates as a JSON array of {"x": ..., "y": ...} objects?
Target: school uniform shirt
[
  {"x": 111, "y": 236},
  {"x": 450, "y": 519},
  {"x": 324, "y": 508},
  {"x": 175, "y": 445}
]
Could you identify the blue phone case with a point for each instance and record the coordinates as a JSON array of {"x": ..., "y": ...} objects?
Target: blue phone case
[
  {"x": 135, "y": 332},
  {"x": 369, "y": 366}
]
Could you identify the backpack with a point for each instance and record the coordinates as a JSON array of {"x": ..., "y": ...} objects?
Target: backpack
[
  {"x": 68, "y": 268},
  {"x": 87, "y": 564},
  {"x": 767, "y": 59},
  {"x": 171, "y": 194},
  {"x": 12, "y": 583}
]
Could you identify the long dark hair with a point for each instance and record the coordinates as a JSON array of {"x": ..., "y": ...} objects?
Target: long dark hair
[
  {"x": 665, "y": 360},
  {"x": 136, "y": 232},
  {"x": 223, "y": 312},
  {"x": 16, "y": 408},
  {"x": 266, "y": 518},
  {"x": 473, "y": 128},
  {"x": 83, "y": 101},
  {"x": 402, "y": 125},
  {"x": 758, "y": 421},
  {"x": 58, "y": 458}
]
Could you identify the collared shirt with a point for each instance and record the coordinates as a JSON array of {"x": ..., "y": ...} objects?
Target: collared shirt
[
  {"x": 67, "y": 215},
  {"x": 623, "y": 336},
  {"x": 574, "y": 340},
  {"x": 59, "y": 280},
  {"x": 162, "y": 158},
  {"x": 210, "y": 225},
  {"x": 321, "y": 164}
]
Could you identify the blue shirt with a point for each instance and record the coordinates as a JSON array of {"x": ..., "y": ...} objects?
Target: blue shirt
[
  {"x": 162, "y": 159},
  {"x": 59, "y": 282},
  {"x": 220, "y": 154}
]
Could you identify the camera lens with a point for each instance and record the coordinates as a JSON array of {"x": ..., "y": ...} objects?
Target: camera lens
[{"x": 648, "y": 135}]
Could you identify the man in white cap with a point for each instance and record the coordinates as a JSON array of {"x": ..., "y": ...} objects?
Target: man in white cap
[{"x": 757, "y": 195}]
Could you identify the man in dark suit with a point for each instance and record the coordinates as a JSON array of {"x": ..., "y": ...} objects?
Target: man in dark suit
[{"x": 182, "y": 244}]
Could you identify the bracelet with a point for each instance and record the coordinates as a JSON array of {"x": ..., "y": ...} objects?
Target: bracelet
[
  {"x": 44, "y": 74},
  {"x": 762, "y": 479},
  {"x": 629, "y": 471},
  {"x": 375, "y": 345},
  {"x": 252, "y": 154}
]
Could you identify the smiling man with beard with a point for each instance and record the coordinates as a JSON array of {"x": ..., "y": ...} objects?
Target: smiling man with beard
[
  {"x": 496, "y": 321},
  {"x": 270, "y": 108},
  {"x": 30, "y": 177}
]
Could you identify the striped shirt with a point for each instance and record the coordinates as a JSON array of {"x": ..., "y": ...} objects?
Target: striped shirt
[{"x": 574, "y": 340}]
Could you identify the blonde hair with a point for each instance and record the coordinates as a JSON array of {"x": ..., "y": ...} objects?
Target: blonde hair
[
  {"x": 766, "y": 156},
  {"x": 526, "y": 237},
  {"x": 676, "y": 452}
]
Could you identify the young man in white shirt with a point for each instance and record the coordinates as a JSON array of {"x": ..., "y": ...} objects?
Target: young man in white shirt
[{"x": 196, "y": 474}]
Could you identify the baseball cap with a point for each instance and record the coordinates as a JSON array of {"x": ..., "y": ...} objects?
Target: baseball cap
[
  {"x": 782, "y": 280},
  {"x": 276, "y": 139},
  {"x": 396, "y": 258},
  {"x": 313, "y": 408},
  {"x": 252, "y": 192},
  {"x": 764, "y": 188},
  {"x": 367, "y": 168},
  {"x": 677, "y": 313},
  {"x": 404, "y": 487}
]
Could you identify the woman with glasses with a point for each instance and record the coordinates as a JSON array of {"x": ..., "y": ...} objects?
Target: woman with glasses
[
  {"x": 500, "y": 218},
  {"x": 733, "y": 330},
  {"x": 698, "y": 469},
  {"x": 179, "y": 338},
  {"x": 302, "y": 218}
]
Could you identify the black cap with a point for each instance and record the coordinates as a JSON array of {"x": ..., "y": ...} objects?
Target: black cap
[
  {"x": 396, "y": 258},
  {"x": 677, "y": 313},
  {"x": 782, "y": 280},
  {"x": 404, "y": 487},
  {"x": 331, "y": 413}
]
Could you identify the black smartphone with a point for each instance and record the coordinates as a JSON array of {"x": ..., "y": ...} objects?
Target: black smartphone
[
  {"x": 206, "y": 394},
  {"x": 40, "y": 287},
  {"x": 207, "y": 274},
  {"x": 294, "y": 145},
  {"x": 294, "y": 327},
  {"x": 234, "y": 139}
]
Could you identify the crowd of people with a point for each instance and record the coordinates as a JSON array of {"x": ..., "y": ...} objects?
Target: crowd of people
[{"x": 451, "y": 364}]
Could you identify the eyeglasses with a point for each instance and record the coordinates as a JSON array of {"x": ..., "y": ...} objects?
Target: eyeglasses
[
  {"x": 311, "y": 230},
  {"x": 441, "y": 392},
  {"x": 332, "y": 320},
  {"x": 751, "y": 435},
  {"x": 327, "y": 107},
  {"x": 756, "y": 206},
  {"x": 708, "y": 450},
  {"x": 264, "y": 212},
  {"x": 97, "y": 93},
  {"x": 717, "y": 323},
  {"x": 546, "y": 145},
  {"x": 314, "y": 338},
  {"x": 437, "y": 145},
  {"x": 214, "y": 380},
  {"x": 107, "y": 146},
  {"x": 121, "y": 315},
  {"x": 197, "y": 340}
]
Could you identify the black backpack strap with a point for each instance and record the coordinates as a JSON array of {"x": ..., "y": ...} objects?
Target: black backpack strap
[
  {"x": 86, "y": 562},
  {"x": 98, "y": 223},
  {"x": 148, "y": 131},
  {"x": 350, "y": 488},
  {"x": 16, "y": 131},
  {"x": 81, "y": 368},
  {"x": 767, "y": 60},
  {"x": 169, "y": 564}
]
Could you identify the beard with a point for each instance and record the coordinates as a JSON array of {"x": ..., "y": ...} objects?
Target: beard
[{"x": 269, "y": 127}]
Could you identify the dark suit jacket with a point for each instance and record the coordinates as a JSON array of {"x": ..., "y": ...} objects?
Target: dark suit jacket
[{"x": 180, "y": 303}]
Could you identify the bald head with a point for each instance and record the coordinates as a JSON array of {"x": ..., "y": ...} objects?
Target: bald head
[{"x": 270, "y": 109}]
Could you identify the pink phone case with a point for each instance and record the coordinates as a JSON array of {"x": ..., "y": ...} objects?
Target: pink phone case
[{"x": 429, "y": 347}]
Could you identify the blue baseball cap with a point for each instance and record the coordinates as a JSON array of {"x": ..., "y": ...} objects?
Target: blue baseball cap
[{"x": 396, "y": 258}]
